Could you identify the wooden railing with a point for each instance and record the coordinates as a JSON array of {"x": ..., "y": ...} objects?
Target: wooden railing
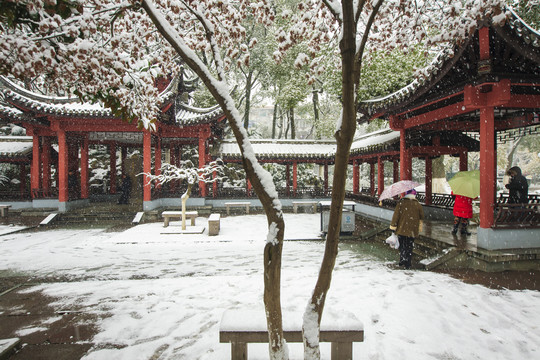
[
  {"x": 13, "y": 195},
  {"x": 512, "y": 216}
]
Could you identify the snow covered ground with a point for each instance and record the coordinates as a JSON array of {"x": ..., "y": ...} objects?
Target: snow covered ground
[{"x": 161, "y": 296}]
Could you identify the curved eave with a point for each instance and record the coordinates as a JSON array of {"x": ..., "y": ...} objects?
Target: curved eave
[{"x": 516, "y": 33}]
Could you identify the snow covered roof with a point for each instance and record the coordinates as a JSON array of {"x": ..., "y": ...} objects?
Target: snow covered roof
[
  {"x": 272, "y": 149},
  {"x": 15, "y": 147},
  {"x": 188, "y": 115},
  {"x": 73, "y": 107},
  {"x": 447, "y": 70},
  {"x": 375, "y": 142}
]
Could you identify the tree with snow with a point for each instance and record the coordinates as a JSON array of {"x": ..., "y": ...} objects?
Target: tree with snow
[
  {"x": 110, "y": 51},
  {"x": 355, "y": 30},
  {"x": 209, "y": 173}
]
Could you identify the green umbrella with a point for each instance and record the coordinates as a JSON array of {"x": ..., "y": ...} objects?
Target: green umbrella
[{"x": 466, "y": 183}]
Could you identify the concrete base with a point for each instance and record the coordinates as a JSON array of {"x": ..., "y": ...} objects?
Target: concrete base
[{"x": 499, "y": 239}]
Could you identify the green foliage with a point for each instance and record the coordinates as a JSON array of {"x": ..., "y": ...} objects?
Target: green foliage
[
  {"x": 528, "y": 10},
  {"x": 389, "y": 72},
  {"x": 15, "y": 13}
]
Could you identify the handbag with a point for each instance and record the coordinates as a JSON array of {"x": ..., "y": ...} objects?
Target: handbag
[{"x": 393, "y": 241}]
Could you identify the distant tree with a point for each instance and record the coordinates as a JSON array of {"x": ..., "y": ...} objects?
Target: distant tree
[{"x": 209, "y": 173}]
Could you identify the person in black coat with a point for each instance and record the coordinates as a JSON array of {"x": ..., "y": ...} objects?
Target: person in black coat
[
  {"x": 126, "y": 190},
  {"x": 518, "y": 187}
]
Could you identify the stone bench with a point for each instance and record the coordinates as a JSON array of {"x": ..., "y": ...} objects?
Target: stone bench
[
  {"x": 213, "y": 224},
  {"x": 245, "y": 205},
  {"x": 167, "y": 215},
  {"x": 312, "y": 204},
  {"x": 241, "y": 327},
  {"x": 4, "y": 208}
]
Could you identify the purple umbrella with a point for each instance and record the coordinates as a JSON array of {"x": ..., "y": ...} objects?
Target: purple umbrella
[{"x": 398, "y": 188}]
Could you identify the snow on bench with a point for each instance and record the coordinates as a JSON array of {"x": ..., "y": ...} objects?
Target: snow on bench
[
  {"x": 167, "y": 215},
  {"x": 245, "y": 204},
  {"x": 48, "y": 219},
  {"x": 138, "y": 217},
  {"x": 214, "y": 224},
  {"x": 296, "y": 204},
  {"x": 240, "y": 327}
]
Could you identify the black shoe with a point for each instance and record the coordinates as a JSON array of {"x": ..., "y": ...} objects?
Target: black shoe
[
  {"x": 454, "y": 231},
  {"x": 465, "y": 233}
]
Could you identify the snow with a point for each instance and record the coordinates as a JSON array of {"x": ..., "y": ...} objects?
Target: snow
[{"x": 166, "y": 294}]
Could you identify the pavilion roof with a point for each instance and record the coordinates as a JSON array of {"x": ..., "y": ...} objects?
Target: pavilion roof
[
  {"x": 375, "y": 142},
  {"x": 517, "y": 55},
  {"x": 15, "y": 147},
  {"x": 275, "y": 150},
  {"x": 16, "y": 97}
]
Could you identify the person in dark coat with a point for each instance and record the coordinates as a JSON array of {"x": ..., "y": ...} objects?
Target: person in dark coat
[
  {"x": 407, "y": 224},
  {"x": 126, "y": 190},
  {"x": 462, "y": 213},
  {"x": 518, "y": 187}
]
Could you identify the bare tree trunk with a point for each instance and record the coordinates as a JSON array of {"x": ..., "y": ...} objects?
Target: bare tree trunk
[
  {"x": 315, "y": 113},
  {"x": 274, "y": 121},
  {"x": 293, "y": 125},
  {"x": 185, "y": 196},
  {"x": 260, "y": 179},
  {"x": 248, "y": 99},
  {"x": 344, "y": 137}
]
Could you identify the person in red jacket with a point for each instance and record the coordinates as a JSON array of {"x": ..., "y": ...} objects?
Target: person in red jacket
[{"x": 462, "y": 213}]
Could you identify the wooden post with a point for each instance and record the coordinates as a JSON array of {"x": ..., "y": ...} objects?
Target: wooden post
[
  {"x": 62, "y": 166},
  {"x": 429, "y": 178},
  {"x": 356, "y": 177},
  {"x": 380, "y": 175},
  {"x": 202, "y": 160},
  {"x": 404, "y": 158},
  {"x": 112, "y": 156},
  {"x": 157, "y": 159},
  {"x": 84, "y": 169},
  {"x": 147, "y": 165},
  {"x": 396, "y": 171},
  {"x": 46, "y": 163},
  {"x": 35, "y": 173},
  {"x": 372, "y": 178},
  {"x": 463, "y": 160},
  {"x": 326, "y": 178},
  {"x": 295, "y": 177},
  {"x": 288, "y": 179},
  {"x": 488, "y": 167}
]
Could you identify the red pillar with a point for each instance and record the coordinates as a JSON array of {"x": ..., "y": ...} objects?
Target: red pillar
[
  {"x": 147, "y": 165},
  {"x": 372, "y": 178},
  {"x": 214, "y": 185},
  {"x": 488, "y": 167},
  {"x": 463, "y": 161},
  {"x": 288, "y": 179},
  {"x": 356, "y": 177},
  {"x": 123, "y": 156},
  {"x": 22, "y": 178},
  {"x": 62, "y": 167},
  {"x": 84, "y": 169},
  {"x": 404, "y": 158},
  {"x": 248, "y": 190},
  {"x": 326, "y": 178},
  {"x": 380, "y": 175},
  {"x": 295, "y": 177},
  {"x": 429, "y": 177},
  {"x": 112, "y": 156},
  {"x": 396, "y": 171},
  {"x": 46, "y": 164},
  {"x": 157, "y": 158},
  {"x": 202, "y": 160},
  {"x": 35, "y": 173}
]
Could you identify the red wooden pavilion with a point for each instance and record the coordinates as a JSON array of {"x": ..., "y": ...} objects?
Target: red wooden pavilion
[
  {"x": 487, "y": 85},
  {"x": 73, "y": 127}
]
